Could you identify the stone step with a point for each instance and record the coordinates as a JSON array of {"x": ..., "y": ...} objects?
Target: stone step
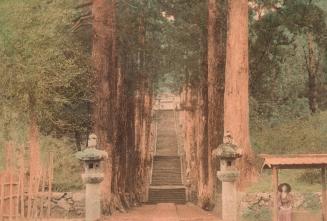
[
  {"x": 164, "y": 165},
  {"x": 165, "y": 181},
  {"x": 175, "y": 171},
  {"x": 167, "y": 195},
  {"x": 165, "y": 174},
  {"x": 166, "y": 158},
  {"x": 166, "y": 171},
  {"x": 167, "y": 153},
  {"x": 157, "y": 173},
  {"x": 161, "y": 182},
  {"x": 168, "y": 166},
  {"x": 166, "y": 162}
]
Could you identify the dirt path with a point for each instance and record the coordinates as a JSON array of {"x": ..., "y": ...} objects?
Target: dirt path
[{"x": 165, "y": 212}]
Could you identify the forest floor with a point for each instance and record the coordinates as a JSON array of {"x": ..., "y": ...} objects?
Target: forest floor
[{"x": 165, "y": 212}]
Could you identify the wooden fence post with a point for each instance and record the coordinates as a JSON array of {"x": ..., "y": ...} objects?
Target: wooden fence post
[
  {"x": 50, "y": 178},
  {"x": 10, "y": 184},
  {"x": 2, "y": 180}
]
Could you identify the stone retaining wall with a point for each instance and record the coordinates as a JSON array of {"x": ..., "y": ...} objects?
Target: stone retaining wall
[
  {"x": 68, "y": 205},
  {"x": 258, "y": 201}
]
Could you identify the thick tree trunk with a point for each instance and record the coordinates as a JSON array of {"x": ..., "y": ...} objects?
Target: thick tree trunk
[
  {"x": 216, "y": 64},
  {"x": 312, "y": 68},
  {"x": 188, "y": 98},
  {"x": 205, "y": 186},
  {"x": 188, "y": 127},
  {"x": 236, "y": 99},
  {"x": 120, "y": 151},
  {"x": 143, "y": 108},
  {"x": 122, "y": 110},
  {"x": 103, "y": 56}
]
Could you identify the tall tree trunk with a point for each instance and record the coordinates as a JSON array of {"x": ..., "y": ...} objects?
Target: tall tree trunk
[
  {"x": 143, "y": 109},
  {"x": 216, "y": 64},
  {"x": 205, "y": 189},
  {"x": 236, "y": 98},
  {"x": 312, "y": 62},
  {"x": 103, "y": 56},
  {"x": 189, "y": 117},
  {"x": 120, "y": 151}
]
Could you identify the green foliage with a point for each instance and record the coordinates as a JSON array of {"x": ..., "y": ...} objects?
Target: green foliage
[
  {"x": 67, "y": 168},
  {"x": 42, "y": 58},
  {"x": 184, "y": 42},
  {"x": 310, "y": 176},
  {"x": 278, "y": 46},
  {"x": 312, "y": 202},
  {"x": 302, "y": 135},
  {"x": 260, "y": 215},
  {"x": 264, "y": 183}
]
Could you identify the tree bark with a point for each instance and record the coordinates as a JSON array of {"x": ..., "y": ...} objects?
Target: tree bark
[
  {"x": 205, "y": 189},
  {"x": 312, "y": 68},
  {"x": 103, "y": 57},
  {"x": 216, "y": 64},
  {"x": 189, "y": 117},
  {"x": 236, "y": 98}
]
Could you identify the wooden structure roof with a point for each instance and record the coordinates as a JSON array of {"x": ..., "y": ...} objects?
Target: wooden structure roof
[{"x": 295, "y": 161}]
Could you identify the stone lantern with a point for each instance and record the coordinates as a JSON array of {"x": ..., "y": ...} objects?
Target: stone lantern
[
  {"x": 228, "y": 153},
  {"x": 92, "y": 178}
]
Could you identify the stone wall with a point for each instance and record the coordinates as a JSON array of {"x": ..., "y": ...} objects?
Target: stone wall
[
  {"x": 68, "y": 204},
  {"x": 258, "y": 201}
]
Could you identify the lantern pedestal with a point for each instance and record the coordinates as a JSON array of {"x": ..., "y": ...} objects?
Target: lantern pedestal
[
  {"x": 92, "y": 196},
  {"x": 229, "y": 195}
]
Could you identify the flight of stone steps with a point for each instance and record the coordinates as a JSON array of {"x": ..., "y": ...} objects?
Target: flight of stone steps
[{"x": 166, "y": 185}]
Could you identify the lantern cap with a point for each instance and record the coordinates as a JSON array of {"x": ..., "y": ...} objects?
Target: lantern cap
[
  {"x": 227, "y": 149},
  {"x": 91, "y": 154}
]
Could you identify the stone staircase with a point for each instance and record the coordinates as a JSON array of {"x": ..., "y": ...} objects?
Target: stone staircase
[
  {"x": 168, "y": 194},
  {"x": 166, "y": 171},
  {"x": 166, "y": 185}
]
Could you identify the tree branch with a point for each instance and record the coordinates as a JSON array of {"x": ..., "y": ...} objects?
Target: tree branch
[
  {"x": 80, "y": 22},
  {"x": 86, "y": 4}
]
